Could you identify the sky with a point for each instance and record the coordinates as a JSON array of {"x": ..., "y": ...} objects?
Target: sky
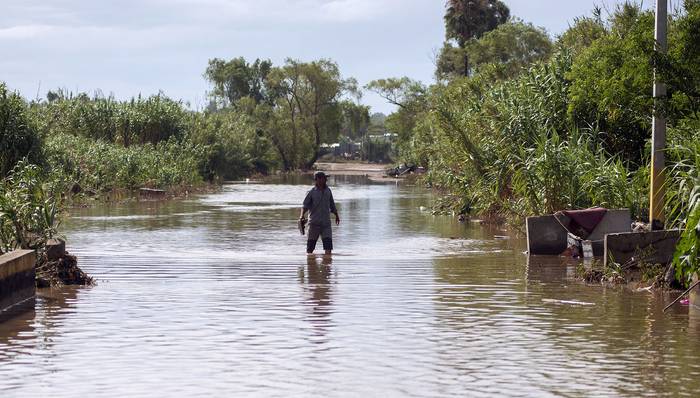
[{"x": 132, "y": 47}]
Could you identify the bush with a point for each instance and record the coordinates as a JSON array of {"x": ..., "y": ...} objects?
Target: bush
[
  {"x": 683, "y": 202},
  {"x": 18, "y": 136},
  {"x": 611, "y": 84},
  {"x": 233, "y": 146},
  {"x": 99, "y": 166},
  {"x": 147, "y": 142},
  {"x": 135, "y": 122},
  {"x": 30, "y": 207}
]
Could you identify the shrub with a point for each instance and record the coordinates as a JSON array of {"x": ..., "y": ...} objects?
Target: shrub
[
  {"x": 683, "y": 202},
  {"x": 18, "y": 136},
  {"x": 30, "y": 207},
  {"x": 100, "y": 166}
]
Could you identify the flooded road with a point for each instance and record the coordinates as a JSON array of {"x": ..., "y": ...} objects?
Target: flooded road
[{"x": 214, "y": 296}]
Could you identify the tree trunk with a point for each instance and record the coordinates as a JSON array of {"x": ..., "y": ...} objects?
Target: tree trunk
[
  {"x": 314, "y": 157},
  {"x": 285, "y": 161},
  {"x": 466, "y": 64}
]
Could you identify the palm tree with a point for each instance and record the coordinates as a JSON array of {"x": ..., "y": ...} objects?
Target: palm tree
[{"x": 466, "y": 20}]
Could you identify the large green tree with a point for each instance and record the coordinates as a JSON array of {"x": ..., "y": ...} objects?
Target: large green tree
[
  {"x": 611, "y": 83},
  {"x": 410, "y": 97},
  {"x": 511, "y": 45},
  {"x": 466, "y": 20},
  {"x": 309, "y": 96},
  {"x": 237, "y": 79},
  {"x": 306, "y": 110},
  {"x": 297, "y": 106},
  {"x": 356, "y": 119}
]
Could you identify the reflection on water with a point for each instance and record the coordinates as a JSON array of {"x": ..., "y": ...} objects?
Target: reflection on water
[
  {"x": 214, "y": 295},
  {"x": 316, "y": 279}
]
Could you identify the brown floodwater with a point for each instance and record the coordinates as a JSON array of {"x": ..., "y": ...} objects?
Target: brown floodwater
[{"x": 214, "y": 296}]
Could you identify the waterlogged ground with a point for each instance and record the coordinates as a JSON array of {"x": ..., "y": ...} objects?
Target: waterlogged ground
[{"x": 213, "y": 296}]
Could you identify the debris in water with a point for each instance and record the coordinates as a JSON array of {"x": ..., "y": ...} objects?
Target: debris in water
[
  {"x": 61, "y": 271},
  {"x": 566, "y": 302}
]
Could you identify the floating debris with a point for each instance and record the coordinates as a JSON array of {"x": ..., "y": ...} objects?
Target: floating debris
[
  {"x": 566, "y": 302},
  {"x": 60, "y": 272}
]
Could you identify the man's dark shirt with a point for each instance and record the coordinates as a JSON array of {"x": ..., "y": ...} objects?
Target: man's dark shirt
[{"x": 320, "y": 204}]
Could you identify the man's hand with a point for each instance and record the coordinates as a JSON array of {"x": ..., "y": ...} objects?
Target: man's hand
[{"x": 337, "y": 219}]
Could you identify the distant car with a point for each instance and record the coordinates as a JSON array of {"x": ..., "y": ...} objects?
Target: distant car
[{"x": 401, "y": 170}]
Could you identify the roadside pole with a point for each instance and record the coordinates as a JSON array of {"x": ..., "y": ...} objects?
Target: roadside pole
[{"x": 658, "y": 132}]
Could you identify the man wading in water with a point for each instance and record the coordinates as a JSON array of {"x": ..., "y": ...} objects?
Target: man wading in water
[{"x": 320, "y": 204}]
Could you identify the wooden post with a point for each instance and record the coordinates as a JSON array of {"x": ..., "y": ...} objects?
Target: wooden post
[{"x": 658, "y": 134}]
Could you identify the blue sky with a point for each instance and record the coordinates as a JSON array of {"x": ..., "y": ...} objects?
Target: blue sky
[{"x": 127, "y": 47}]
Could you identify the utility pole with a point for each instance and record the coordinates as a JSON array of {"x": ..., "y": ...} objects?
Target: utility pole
[{"x": 658, "y": 132}]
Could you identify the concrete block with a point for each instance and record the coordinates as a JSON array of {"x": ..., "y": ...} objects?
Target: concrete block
[
  {"x": 615, "y": 221},
  {"x": 150, "y": 193},
  {"x": 546, "y": 236},
  {"x": 17, "y": 277},
  {"x": 621, "y": 247},
  {"x": 55, "y": 249}
]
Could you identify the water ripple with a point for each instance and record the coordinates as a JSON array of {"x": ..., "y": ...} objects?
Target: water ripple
[{"x": 198, "y": 300}]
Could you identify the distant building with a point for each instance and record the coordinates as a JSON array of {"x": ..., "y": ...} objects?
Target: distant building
[{"x": 346, "y": 148}]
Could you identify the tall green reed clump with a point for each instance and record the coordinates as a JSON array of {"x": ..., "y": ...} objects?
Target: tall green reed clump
[
  {"x": 18, "y": 136},
  {"x": 234, "y": 147},
  {"x": 30, "y": 207},
  {"x": 99, "y": 166},
  {"x": 508, "y": 149},
  {"x": 136, "y": 122},
  {"x": 152, "y": 141},
  {"x": 683, "y": 205}
]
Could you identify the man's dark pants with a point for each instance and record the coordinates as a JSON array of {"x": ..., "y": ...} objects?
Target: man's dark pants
[{"x": 326, "y": 234}]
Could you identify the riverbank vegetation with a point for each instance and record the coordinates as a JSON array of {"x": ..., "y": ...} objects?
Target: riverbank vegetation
[
  {"x": 521, "y": 124},
  {"x": 261, "y": 118},
  {"x": 517, "y": 122},
  {"x": 296, "y": 106},
  {"x": 71, "y": 147},
  {"x": 30, "y": 208}
]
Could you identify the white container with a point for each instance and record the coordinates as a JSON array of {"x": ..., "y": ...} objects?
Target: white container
[{"x": 587, "y": 247}]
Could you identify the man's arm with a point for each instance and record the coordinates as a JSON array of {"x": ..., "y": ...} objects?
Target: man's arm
[
  {"x": 334, "y": 210},
  {"x": 306, "y": 206}
]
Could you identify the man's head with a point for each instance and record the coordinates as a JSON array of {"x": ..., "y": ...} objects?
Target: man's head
[{"x": 320, "y": 179}]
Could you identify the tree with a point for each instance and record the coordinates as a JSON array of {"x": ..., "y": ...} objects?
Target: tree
[
  {"x": 306, "y": 110},
  {"x": 296, "y": 105},
  {"x": 583, "y": 32},
  {"x": 356, "y": 119},
  {"x": 611, "y": 87},
  {"x": 513, "y": 44},
  {"x": 410, "y": 97},
  {"x": 377, "y": 123},
  {"x": 233, "y": 145},
  {"x": 466, "y": 20},
  {"x": 237, "y": 79},
  {"x": 401, "y": 92},
  {"x": 679, "y": 68}
]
